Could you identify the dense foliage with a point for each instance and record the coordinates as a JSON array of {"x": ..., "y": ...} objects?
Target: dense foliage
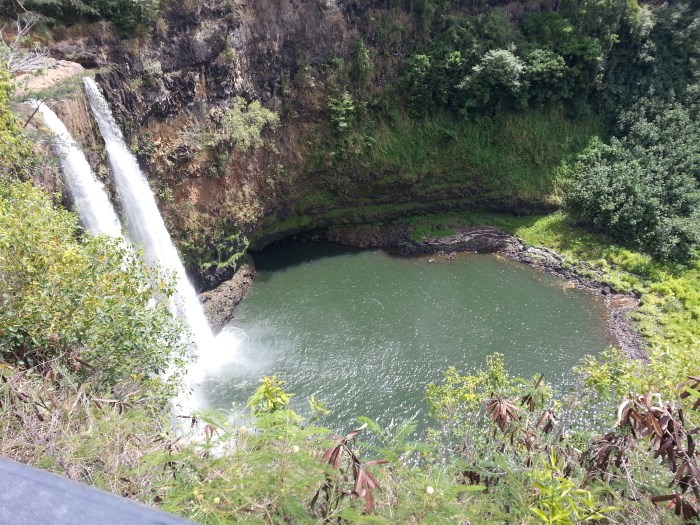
[
  {"x": 643, "y": 187},
  {"x": 488, "y": 63},
  {"x": 85, "y": 300},
  {"x": 638, "y": 64},
  {"x": 15, "y": 149},
  {"x": 127, "y": 15},
  {"x": 84, "y": 342}
]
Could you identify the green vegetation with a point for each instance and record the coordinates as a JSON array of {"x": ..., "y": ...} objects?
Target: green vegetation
[
  {"x": 593, "y": 105},
  {"x": 638, "y": 64},
  {"x": 486, "y": 63},
  {"x": 58, "y": 289},
  {"x": 508, "y": 157},
  {"x": 243, "y": 122},
  {"x": 15, "y": 149},
  {"x": 239, "y": 126},
  {"x": 126, "y": 15},
  {"x": 643, "y": 188}
]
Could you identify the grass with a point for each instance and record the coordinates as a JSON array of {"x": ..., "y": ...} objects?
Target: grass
[
  {"x": 513, "y": 161},
  {"x": 518, "y": 154},
  {"x": 669, "y": 314}
]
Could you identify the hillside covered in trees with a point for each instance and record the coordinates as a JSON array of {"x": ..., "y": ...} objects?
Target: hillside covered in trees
[{"x": 572, "y": 125}]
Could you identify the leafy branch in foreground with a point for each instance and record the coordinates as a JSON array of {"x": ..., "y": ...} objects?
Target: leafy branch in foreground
[
  {"x": 364, "y": 482},
  {"x": 669, "y": 435}
]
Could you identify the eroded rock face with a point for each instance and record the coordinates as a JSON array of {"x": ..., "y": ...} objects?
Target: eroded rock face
[
  {"x": 219, "y": 304},
  {"x": 168, "y": 87},
  {"x": 216, "y": 50}
]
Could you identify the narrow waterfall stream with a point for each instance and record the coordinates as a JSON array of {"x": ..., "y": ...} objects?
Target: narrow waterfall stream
[
  {"x": 87, "y": 194},
  {"x": 146, "y": 228}
]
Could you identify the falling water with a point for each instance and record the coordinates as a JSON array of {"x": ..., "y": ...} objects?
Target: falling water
[
  {"x": 146, "y": 228},
  {"x": 87, "y": 193}
]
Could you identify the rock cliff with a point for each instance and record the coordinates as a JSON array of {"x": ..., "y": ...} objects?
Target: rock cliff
[{"x": 171, "y": 87}]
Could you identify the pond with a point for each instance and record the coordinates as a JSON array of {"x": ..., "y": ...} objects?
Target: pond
[{"x": 366, "y": 332}]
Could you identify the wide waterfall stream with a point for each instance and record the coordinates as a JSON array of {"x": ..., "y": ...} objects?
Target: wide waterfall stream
[{"x": 366, "y": 332}]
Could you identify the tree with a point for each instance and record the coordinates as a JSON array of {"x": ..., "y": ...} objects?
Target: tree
[
  {"x": 496, "y": 81},
  {"x": 417, "y": 85},
  {"x": 126, "y": 15},
  {"x": 15, "y": 58},
  {"x": 547, "y": 77},
  {"x": 643, "y": 189}
]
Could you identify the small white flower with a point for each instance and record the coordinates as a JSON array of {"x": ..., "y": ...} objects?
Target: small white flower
[
  {"x": 429, "y": 489},
  {"x": 295, "y": 448}
]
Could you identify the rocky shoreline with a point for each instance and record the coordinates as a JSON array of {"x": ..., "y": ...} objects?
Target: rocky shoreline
[{"x": 219, "y": 304}]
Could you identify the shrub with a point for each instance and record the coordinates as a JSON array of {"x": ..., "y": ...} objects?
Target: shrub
[
  {"x": 496, "y": 81},
  {"x": 417, "y": 85},
  {"x": 342, "y": 111},
  {"x": 15, "y": 149},
  {"x": 84, "y": 301},
  {"x": 126, "y": 15},
  {"x": 583, "y": 53},
  {"x": 643, "y": 189},
  {"x": 547, "y": 77},
  {"x": 242, "y": 124},
  {"x": 362, "y": 70}
]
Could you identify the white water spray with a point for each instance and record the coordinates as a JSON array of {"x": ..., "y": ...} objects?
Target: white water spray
[
  {"x": 146, "y": 228},
  {"x": 87, "y": 193}
]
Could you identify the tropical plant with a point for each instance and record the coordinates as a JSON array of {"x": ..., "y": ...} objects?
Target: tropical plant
[
  {"x": 84, "y": 301},
  {"x": 269, "y": 396},
  {"x": 643, "y": 188},
  {"x": 559, "y": 501},
  {"x": 342, "y": 456},
  {"x": 669, "y": 435},
  {"x": 16, "y": 154}
]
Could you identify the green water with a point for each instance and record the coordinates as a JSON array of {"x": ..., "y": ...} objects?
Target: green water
[{"x": 366, "y": 331}]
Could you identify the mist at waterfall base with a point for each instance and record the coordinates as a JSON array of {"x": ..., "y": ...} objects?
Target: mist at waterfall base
[
  {"x": 146, "y": 229},
  {"x": 366, "y": 332}
]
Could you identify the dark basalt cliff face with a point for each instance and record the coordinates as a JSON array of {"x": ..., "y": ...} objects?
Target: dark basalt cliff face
[
  {"x": 213, "y": 51},
  {"x": 218, "y": 201}
]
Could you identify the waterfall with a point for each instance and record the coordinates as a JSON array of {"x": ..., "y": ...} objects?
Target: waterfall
[
  {"x": 86, "y": 193},
  {"x": 146, "y": 228}
]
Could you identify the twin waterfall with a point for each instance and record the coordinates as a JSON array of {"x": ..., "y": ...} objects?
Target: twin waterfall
[{"x": 144, "y": 224}]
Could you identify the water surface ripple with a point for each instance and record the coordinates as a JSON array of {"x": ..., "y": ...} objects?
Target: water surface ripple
[{"x": 366, "y": 331}]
